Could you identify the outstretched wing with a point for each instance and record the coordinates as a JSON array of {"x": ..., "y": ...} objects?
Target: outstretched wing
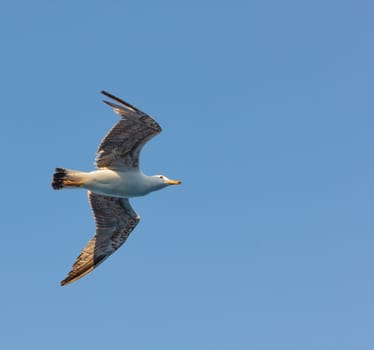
[
  {"x": 115, "y": 219},
  {"x": 121, "y": 147}
]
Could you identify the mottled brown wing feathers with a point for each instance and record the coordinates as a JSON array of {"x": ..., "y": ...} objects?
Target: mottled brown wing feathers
[
  {"x": 121, "y": 147},
  {"x": 115, "y": 219}
]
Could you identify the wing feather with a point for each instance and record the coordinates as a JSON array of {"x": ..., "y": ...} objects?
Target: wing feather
[
  {"x": 120, "y": 148},
  {"x": 115, "y": 219}
]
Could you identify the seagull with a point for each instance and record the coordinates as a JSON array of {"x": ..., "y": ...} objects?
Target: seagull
[{"x": 118, "y": 177}]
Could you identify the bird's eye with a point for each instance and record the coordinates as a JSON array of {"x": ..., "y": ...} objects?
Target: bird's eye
[{"x": 161, "y": 177}]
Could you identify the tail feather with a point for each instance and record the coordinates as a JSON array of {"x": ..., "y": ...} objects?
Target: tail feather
[{"x": 66, "y": 178}]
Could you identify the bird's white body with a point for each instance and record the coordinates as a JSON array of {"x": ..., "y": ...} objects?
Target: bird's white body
[{"x": 122, "y": 184}]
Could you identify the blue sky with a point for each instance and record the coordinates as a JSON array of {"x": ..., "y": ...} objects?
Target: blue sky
[{"x": 267, "y": 116}]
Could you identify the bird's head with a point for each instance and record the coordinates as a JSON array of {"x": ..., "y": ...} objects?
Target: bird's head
[{"x": 162, "y": 181}]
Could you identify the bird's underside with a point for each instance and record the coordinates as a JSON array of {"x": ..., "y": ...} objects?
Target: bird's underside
[{"x": 114, "y": 217}]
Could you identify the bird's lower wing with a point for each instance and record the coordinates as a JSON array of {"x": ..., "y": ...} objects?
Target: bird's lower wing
[{"x": 115, "y": 219}]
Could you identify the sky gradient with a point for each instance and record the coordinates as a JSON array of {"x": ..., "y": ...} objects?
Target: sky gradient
[{"x": 267, "y": 116}]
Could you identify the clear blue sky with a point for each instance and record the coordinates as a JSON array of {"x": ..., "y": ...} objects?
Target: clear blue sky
[{"x": 267, "y": 116}]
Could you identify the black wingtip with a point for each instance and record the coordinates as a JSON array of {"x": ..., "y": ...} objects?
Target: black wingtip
[
  {"x": 106, "y": 93},
  {"x": 117, "y": 99},
  {"x": 113, "y": 105}
]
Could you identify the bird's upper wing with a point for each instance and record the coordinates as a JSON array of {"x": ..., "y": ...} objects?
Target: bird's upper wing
[
  {"x": 121, "y": 147},
  {"x": 115, "y": 219}
]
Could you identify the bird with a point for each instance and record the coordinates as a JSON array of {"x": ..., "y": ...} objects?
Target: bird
[{"x": 117, "y": 178}]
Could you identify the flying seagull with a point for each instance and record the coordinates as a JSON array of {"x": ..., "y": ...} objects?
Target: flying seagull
[{"x": 117, "y": 179}]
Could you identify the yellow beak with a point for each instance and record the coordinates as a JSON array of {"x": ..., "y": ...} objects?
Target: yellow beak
[{"x": 173, "y": 182}]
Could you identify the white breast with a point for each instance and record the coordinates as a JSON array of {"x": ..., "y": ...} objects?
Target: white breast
[{"x": 117, "y": 184}]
